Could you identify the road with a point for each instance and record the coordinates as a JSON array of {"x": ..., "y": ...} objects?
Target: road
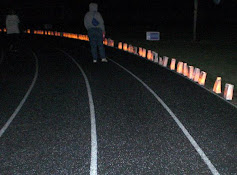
[{"x": 148, "y": 120}]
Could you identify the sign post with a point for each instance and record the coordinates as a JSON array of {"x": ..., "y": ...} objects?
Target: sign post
[{"x": 195, "y": 20}]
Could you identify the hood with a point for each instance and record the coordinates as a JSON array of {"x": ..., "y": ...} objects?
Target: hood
[{"x": 93, "y": 7}]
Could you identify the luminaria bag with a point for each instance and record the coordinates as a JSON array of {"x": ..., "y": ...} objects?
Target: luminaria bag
[{"x": 94, "y": 21}]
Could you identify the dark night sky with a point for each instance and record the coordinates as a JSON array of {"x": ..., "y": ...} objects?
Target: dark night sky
[{"x": 149, "y": 11}]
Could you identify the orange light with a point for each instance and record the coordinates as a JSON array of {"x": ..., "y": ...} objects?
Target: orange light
[
  {"x": 140, "y": 51},
  {"x": 229, "y": 91},
  {"x": 109, "y": 40},
  {"x": 217, "y": 85},
  {"x": 185, "y": 69},
  {"x": 149, "y": 55},
  {"x": 172, "y": 64},
  {"x": 120, "y": 45},
  {"x": 202, "y": 78},
  {"x": 79, "y": 36},
  {"x": 144, "y": 53},
  {"x": 105, "y": 41},
  {"x": 112, "y": 43},
  {"x": 191, "y": 72},
  {"x": 130, "y": 48},
  {"x": 165, "y": 61},
  {"x": 180, "y": 67},
  {"x": 196, "y": 74},
  {"x": 125, "y": 46}
]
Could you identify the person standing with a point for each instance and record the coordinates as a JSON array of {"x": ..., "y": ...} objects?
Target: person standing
[
  {"x": 94, "y": 24},
  {"x": 12, "y": 26}
]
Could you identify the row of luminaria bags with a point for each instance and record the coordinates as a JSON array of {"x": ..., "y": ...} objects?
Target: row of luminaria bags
[{"x": 192, "y": 73}]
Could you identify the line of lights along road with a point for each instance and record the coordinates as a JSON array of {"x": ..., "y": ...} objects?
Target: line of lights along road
[{"x": 192, "y": 73}]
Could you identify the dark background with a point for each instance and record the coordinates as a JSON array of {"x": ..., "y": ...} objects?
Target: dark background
[{"x": 152, "y": 13}]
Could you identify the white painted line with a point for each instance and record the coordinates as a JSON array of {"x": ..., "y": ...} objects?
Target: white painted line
[
  {"x": 205, "y": 88},
  {"x": 23, "y": 100},
  {"x": 181, "y": 126},
  {"x": 210, "y": 91},
  {"x": 93, "y": 165}
]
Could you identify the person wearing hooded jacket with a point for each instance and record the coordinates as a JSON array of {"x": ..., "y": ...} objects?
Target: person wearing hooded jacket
[
  {"x": 12, "y": 26},
  {"x": 94, "y": 24}
]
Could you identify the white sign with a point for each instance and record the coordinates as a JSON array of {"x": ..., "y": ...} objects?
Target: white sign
[{"x": 152, "y": 35}]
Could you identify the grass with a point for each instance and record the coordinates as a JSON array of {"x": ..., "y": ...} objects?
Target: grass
[{"x": 214, "y": 53}]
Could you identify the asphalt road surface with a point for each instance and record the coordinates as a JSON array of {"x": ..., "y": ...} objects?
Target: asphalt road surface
[{"x": 148, "y": 120}]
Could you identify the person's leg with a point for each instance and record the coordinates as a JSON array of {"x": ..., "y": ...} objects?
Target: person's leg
[
  {"x": 92, "y": 40},
  {"x": 9, "y": 42},
  {"x": 100, "y": 43},
  {"x": 16, "y": 42}
]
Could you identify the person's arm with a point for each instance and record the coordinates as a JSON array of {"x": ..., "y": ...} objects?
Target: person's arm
[{"x": 101, "y": 21}]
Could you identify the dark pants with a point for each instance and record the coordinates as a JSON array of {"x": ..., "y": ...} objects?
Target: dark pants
[
  {"x": 96, "y": 41},
  {"x": 12, "y": 41}
]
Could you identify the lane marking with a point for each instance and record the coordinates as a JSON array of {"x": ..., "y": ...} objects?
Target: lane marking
[
  {"x": 204, "y": 87},
  {"x": 209, "y": 90},
  {"x": 4, "y": 128},
  {"x": 93, "y": 165},
  {"x": 181, "y": 126}
]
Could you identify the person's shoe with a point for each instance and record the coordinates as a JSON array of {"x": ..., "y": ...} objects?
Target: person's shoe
[
  {"x": 94, "y": 61},
  {"x": 104, "y": 60}
]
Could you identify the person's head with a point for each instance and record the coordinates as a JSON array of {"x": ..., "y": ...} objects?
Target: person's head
[{"x": 93, "y": 7}]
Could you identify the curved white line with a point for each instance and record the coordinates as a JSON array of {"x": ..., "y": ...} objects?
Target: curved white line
[
  {"x": 181, "y": 126},
  {"x": 93, "y": 165},
  {"x": 210, "y": 91},
  {"x": 4, "y": 128}
]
